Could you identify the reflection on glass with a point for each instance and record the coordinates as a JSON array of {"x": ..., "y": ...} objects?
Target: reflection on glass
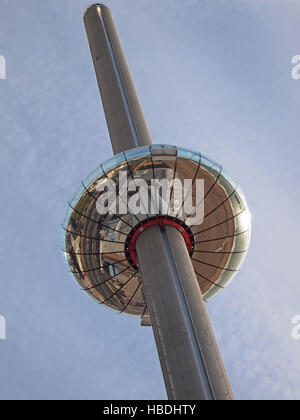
[{"x": 95, "y": 244}]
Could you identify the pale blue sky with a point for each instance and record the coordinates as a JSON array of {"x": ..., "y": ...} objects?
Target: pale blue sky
[{"x": 214, "y": 76}]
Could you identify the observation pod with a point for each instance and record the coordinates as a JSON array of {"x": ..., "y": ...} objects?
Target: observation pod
[{"x": 100, "y": 248}]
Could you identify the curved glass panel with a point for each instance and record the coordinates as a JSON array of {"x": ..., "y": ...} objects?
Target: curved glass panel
[
  {"x": 133, "y": 187},
  {"x": 133, "y": 154},
  {"x": 189, "y": 155},
  {"x": 93, "y": 176},
  {"x": 212, "y": 166}
]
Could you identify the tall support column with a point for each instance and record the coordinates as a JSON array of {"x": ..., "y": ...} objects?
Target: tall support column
[
  {"x": 124, "y": 115},
  {"x": 190, "y": 359},
  {"x": 189, "y": 355}
]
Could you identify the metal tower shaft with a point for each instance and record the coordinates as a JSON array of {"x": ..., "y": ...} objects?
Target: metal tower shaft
[
  {"x": 190, "y": 359},
  {"x": 124, "y": 115}
]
